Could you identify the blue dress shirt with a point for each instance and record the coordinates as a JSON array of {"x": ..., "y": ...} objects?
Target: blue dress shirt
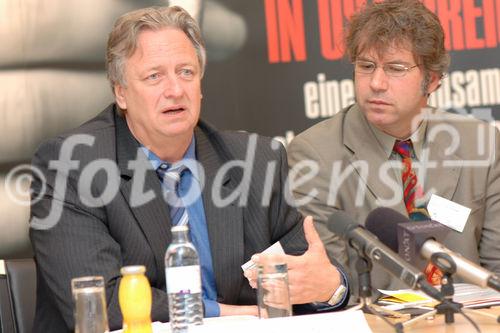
[{"x": 197, "y": 224}]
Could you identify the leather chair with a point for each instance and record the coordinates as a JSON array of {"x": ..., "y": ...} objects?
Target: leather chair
[{"x": 17, "y": 295}]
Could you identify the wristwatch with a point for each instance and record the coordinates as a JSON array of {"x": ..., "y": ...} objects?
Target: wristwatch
[{"x": 338, "y": 295}]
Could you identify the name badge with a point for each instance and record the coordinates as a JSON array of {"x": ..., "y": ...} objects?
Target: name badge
[{"x": 448, "y": 212}]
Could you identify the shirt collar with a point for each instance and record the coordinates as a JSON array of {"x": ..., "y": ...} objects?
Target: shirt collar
[
  {"x": 188, "y": 160},
  {"x": 386, "y": 141}
]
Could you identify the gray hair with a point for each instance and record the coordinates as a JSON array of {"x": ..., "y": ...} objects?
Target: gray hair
[{"x": 122, "y": 41}]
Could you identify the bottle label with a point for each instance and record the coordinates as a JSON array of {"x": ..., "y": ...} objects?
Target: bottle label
[{"x": 184, "y": 279}]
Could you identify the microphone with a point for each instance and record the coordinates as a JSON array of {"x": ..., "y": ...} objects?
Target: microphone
[
  {"x": 416, "y": 243},
  {"x": 386, "y": 224},
  {"x": 369, "y": 246}
]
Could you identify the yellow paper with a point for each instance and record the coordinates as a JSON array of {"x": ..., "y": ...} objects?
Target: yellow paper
[{"x": 410, "y": 297}]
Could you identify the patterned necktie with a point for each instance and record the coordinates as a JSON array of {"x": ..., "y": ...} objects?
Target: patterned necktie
[
  {"x": 171, "y": 178},
  {"x": 412, "y": 193}
]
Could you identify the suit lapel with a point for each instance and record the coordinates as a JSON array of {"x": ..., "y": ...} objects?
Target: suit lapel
[
  {"x": 439, "y": 179},
  {"x": 433, "y": 179},
  {"x": 359, "y": 138},
  {"x": 224, "y": 224},
  {"x": 152, "y": 216}
]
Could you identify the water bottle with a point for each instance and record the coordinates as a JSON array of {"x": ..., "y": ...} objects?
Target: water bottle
[{"x": 182, "y": 271}]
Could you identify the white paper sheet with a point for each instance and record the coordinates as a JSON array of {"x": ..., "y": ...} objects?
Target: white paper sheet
[{"x": 344, "y": 321}]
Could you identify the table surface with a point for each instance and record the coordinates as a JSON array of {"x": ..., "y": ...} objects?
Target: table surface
[
  {"x": 377, "y": 325},
  {"x": 437, "y": 324}
]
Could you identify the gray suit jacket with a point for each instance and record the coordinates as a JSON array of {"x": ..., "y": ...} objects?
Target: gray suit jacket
[
  {"x": 350, "y": 160},
  {"x": 99, "y": 240}
]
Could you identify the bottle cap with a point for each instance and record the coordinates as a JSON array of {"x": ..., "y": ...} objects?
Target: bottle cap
[
  {"x": 129, "y": 270},
  {"x": 177, "y": 228}
]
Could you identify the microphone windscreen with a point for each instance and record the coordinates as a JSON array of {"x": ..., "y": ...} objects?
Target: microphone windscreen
[
  {"x": 340, "y": 223},
  {"x": 383, "y": 222},
  {"x": 412, "y": 236}
]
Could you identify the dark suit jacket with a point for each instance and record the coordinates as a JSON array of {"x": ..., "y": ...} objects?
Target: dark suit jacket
[{"x": 99, "y": 240}]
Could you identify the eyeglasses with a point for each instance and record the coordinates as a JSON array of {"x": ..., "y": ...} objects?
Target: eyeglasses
[{"x": 395, "y": 70}]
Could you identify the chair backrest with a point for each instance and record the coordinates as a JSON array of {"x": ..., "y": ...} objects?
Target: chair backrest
[{"x": 17, "y": 295}]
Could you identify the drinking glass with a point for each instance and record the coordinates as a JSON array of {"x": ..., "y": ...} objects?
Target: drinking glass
[
  {"x": 90, "y": 304},
  {"x": 272, "y": 290}
]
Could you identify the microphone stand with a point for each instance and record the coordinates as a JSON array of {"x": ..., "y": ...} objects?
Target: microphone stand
[
  {"x": 446, "y": 264},
  {"x": 448, "y": 307},
  {"x": 363, "y": 268}
]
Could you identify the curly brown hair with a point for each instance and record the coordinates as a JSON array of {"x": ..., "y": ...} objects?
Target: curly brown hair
[{"x": 399, "y": 23}]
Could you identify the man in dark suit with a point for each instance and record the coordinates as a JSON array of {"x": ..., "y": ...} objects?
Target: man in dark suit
[{"x": 98, "y": 201}]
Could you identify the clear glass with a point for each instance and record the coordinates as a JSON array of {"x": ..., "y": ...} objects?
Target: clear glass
[
  {"x": 272, "y": 290},
  {"x": 182, "y": 270},
  {"x": 90, "y": 304}
]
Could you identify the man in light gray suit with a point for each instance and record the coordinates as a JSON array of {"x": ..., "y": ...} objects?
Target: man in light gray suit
[
  {"x": 391, "y": 149},
  {"x": 98, "y": 200}
]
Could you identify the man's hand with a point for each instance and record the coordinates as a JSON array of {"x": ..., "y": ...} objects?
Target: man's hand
[
  {"x": 311, "y": 276},
  {"x": 238, "y": 310},
  {"x": 251, "y": 274}
]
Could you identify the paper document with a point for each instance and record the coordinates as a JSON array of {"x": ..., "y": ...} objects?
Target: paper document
[
  {"x": 469, "y": 295},
  {"x": 276, "y": 248},
  {"x": 343, "y": 321}
]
